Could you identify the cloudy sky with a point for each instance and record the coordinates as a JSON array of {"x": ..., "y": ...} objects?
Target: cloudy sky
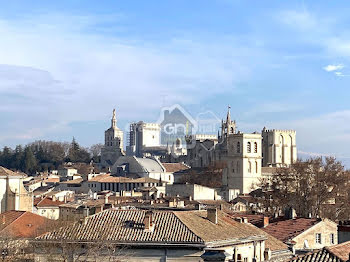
[{"x": 64, "y": 65}]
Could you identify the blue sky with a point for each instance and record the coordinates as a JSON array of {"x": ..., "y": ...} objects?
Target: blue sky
[{"x": 64, "y": 65}]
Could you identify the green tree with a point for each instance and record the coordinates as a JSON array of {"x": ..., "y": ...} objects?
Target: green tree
[
  {"x": 30, "y": 163},
  {"x": 18, "y": 158},
  {"x": 77, "y": 153}
]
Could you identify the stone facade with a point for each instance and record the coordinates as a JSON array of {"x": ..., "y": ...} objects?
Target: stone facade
[
  {"x": 192, "y": 191},
  {"x": 243, "y": 162},
  {"x": 113, "y": 147},
  {"x": 279, "y": 147},
  {"x": 13, "y": 195},
  {"x": 143, "y": 136},
  {"x": 240, "y": 152},
  {"x": 309, "y": 239},
  {"x": 243, "y": 154}
]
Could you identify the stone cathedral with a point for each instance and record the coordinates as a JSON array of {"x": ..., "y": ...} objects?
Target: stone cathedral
[
  {"x": 113, "y": 147},
  {"x": 244, "y": 154}
]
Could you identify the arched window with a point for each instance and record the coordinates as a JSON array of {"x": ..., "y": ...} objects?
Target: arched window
[
  {"x": 249, "y": 147},
  {"x": 255, "y": 147},
  {"x": 232, "y": 130},
  {"x": 249, "y": 167},
  {"x": 238, "y": 147},
  {"x": 282, "y": 148},
  {"x": 256, "y": 167}
]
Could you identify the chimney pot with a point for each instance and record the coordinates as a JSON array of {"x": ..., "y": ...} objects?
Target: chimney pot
[
  {"x": 266, "y": 221},
  {"x": 148, "y": 221},
  {"x": 212, "y": 215}
]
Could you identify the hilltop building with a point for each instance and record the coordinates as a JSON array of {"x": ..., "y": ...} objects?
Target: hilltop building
[{"x": 113, "y": 147}]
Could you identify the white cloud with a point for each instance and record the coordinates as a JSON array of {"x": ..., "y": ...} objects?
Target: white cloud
[
  {"x": 63, "y": 74},
  {"x": 331, "y": 68},
  {"x": 301, "y": 20}
]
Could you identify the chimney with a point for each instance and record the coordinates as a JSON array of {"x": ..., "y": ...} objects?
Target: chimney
[
  {"x": 238, "y": 219},
  {"x": 212, "y": 215},
  {"x": 290, "y": 213},
  {"x": 53, "y": 198},
  {"x": 3, "y": 219},
  {"x": 106, "y": 199},
  {"x": 148, "y": 221},
  {"x": 265, "y": 221}
]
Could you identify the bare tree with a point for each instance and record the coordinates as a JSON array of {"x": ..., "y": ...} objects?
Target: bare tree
[{"x": 313, "y": 187}]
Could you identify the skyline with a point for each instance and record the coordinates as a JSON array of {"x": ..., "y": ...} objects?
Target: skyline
[{"x": 281, "y": 66}]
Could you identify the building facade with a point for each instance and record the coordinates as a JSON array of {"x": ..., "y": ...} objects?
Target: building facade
[
  {"x": 279, "y": 147},
  {"x": 143, "y": 137},
  {"x": 113, "y": 147},
  {"x": 159, "y": 236},
  {"x": 243, "y": 168},
  {"x": 13, "y": 195}
]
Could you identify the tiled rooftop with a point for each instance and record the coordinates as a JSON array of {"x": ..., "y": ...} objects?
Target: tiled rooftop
[
  {"x": 180, "y": 227},
  {"x": 288, "y": 229},
  {"x": 341, "y": 251},
  {"x": 7, "y": 172},
  {"x": 174, "y": 167},
  {"x": 47, "y": 202},
  {"x": 114, "y": 179},
  {"x": 23, "y": 224},
  {"x": 336, "y": 253}
]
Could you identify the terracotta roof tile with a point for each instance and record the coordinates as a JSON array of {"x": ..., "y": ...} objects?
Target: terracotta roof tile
[
  {"x": 288, "y": 229},
  {"x": 74, "y": 181},
  {"x": 48, "y": 202},
  {"x": 341, "y": 251},
  {"x": 23, "y": 224},
  {"x": 174, "y": 167},
  {"x": 185, "y": 227},
  {"x": 7, "y": 172},
  {"x": 336, "y": 253}
]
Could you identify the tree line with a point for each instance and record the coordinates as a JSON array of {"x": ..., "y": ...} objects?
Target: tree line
[{"x": 47, "y": 155}]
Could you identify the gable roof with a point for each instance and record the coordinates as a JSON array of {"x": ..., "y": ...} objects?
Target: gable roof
[
  {"x": 174, "y": 167},
  {"x": 257, "y": 220},
  {"x": 288, "y": 229},
  {"x": 73, "y": 182},
  {"x": 341, "y": 251},
  {"x": 171, "y": 227},
  {"x": 336, "y": 253},
  {"x": 7, "y": 172},
  {"x": 48, "y": 202},
  {"x": 22, "y": 224}
]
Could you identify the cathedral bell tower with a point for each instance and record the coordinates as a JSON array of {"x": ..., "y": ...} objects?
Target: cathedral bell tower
[
  {"x": 228, "y": 127},
  {"x": 113, "y": 147}
]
